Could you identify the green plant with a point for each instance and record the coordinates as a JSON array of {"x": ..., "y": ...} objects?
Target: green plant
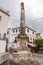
[{"x": 39, "y": 42}]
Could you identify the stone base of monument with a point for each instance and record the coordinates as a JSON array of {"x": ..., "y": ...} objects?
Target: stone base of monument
[{"x": 23, "y": 57}]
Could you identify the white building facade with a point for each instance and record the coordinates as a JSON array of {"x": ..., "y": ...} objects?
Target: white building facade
[
  {"x": 4, "y": 17},
  {"x": 14, "y": 32}
]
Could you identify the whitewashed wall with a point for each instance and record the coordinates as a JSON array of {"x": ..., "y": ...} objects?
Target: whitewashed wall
[
  {"x": 14, "y": 34},
  {"x": 2, "y": 46}
]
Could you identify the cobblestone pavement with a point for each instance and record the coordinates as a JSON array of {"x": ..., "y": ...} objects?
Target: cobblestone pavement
[{"x": 39, "y": 58}]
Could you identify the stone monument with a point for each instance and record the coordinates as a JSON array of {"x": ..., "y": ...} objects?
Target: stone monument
[{"x": 22, "y": 53}]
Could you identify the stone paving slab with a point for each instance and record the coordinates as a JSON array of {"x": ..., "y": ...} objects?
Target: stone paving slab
[
  {"x": 3, "y": 57},
  {"x": 38, "y": 57}
]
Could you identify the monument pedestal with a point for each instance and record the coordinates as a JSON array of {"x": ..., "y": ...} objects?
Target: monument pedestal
[
  {"x": 23, "y": 53},
  {"x": 22, "y": 42}
]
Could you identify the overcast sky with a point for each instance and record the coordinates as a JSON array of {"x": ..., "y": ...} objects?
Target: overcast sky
[{"x": 33, "y": 13}]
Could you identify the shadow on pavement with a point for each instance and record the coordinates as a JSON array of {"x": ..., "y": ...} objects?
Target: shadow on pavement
[{"x": 21, "y": 63}]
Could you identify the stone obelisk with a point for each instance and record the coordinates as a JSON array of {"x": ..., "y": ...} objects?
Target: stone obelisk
[
  {"x": 22, "y": 36},
  {"x": 22, "y": 19}
]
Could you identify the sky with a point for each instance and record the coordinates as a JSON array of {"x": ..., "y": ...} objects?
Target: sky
[{"x": 33, "y": 13}]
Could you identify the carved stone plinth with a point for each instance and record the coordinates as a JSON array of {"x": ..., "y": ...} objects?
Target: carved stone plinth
[{"x": 22, "y": 42}]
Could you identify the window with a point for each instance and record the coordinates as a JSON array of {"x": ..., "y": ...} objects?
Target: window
[
  {"x": 16, "y": 30},
  {"x": 0, "y": 18},
  {"x": 13, "y": 31},
  {"x": 0, "y": 34},
  {"x": 31, "y": 38},
  {"x": 28, "y": 39},
  {"x": 32, "y": 32},
  {"x": 19, "y": 30},
  {"x": 4, "y": 36},
  {"x": 7, "y": 32},
  {"x": 27, "y": 30},
  {"x": 15, "y": 40}
]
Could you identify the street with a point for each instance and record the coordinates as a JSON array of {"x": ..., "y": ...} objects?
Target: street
[{"x": 39, "y": 58}]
